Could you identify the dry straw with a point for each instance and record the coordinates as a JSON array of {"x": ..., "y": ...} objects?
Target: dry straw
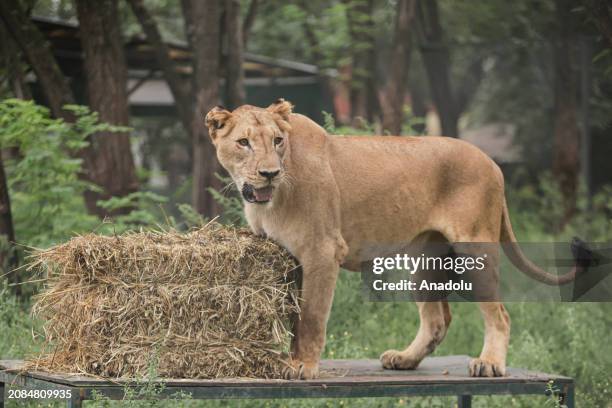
[{"x": 211, "y": 303}]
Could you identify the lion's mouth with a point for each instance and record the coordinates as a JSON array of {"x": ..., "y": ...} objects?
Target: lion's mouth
[{"x": 257, "y": 195}]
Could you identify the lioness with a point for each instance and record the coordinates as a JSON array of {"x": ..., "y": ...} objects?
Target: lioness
[{"x": 325, "y": 198}]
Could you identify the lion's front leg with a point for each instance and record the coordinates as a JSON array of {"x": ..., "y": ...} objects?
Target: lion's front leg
[{"x": 319, "y": 274}]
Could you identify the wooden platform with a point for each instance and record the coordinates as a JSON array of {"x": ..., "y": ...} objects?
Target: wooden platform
[{"x": 441, "y": 376}]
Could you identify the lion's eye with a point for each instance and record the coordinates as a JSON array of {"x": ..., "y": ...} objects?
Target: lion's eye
[
  {"x": 243, "y": 142},
  {"x": 278, "y": 140}
]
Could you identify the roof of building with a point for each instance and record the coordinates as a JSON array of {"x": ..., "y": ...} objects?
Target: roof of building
[{"x": 141, "y": 60}]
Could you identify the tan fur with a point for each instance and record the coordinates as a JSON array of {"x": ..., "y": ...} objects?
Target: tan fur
[{"x": 337, "y": 195}]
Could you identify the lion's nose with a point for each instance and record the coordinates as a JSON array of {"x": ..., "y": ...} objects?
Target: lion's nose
[{"x": 269, "y": 174}]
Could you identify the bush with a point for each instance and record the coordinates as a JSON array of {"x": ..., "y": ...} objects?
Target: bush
[
  {"x": 43, "y": 181},
  {"x": 537, "y": 210}
]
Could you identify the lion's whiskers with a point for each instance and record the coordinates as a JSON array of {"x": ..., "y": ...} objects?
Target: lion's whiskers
[
  {"x": 225, "y": 189},
  {"x": 294, "y": 180},
  {"x": 288, "y": 180}
]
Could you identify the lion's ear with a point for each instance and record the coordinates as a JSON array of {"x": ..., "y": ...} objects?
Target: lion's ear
[
  {"x": 216, "y": 119},
  {"x": 281, "y": 107}
]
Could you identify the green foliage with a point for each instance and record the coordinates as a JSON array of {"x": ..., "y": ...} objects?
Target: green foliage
[
  {"x": 601, "y": 103},
  {"x": 191, "y": 217},
  {"x": 138, "y": 209},
  {"x": 329, "y": 123},
  {"x": 44, "y": 185},
  {"x": 412, "y": 123},
  {"x": 230, "y": 201},
  {"x": 43, "y": 181},
  {"x": 537, "y": 210},
  {"x": 364, "y": 128},
  {"x": 553, "y": 393},
  {"x": 16, "y": 323},
  {"x": 410, "y": 126},
  {"x": 286, "y": 43},
  {"x": 143, "y": 392},
  {"x": 328, "y": 22}
]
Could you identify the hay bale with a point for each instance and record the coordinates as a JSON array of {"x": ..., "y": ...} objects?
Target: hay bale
[{"x": 210, "y": 303}]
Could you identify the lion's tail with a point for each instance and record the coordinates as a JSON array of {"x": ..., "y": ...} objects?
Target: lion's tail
[{"x": 516, "y": 256}]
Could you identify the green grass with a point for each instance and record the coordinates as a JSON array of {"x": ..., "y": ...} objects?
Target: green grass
[
  {"x": 562, "y": 338},
  {"x": 569, "y": 339}
]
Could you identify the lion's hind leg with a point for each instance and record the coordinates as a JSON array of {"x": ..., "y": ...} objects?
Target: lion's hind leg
[
  {"x": 434, "y": 312},
  {"x": 492, "y": 359},
  {"x": 435, "y": 320}
]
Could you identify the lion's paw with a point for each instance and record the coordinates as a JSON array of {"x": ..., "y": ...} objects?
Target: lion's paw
[
  {"x": 300, "y": 370},
  {"x": 397, "y": 360},
  {"x": 480, "y": 367}
]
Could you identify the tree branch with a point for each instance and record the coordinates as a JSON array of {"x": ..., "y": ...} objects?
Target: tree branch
[
  {"x": 205, "y": 32},
  {"x": 393, "y": 112},
  {"x": 38, "y": 53},
  {"x": 234, "y": 74},
  {"x": 436, "y": 59}
]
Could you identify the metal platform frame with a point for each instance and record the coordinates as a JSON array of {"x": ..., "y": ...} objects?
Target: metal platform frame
[{"x": 436, "y": 376}]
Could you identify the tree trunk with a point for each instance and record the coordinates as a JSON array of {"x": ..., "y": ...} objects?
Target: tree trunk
[
  {"x": 6, "y": 218},
  {"x": 418, "y": 105},
  {"x": 57, "y": 91},
  {"x": 249, "y": 19},
  {"x": 204, "y": 31},
  {"x": 38, "y": 53},
  {"x": 566, "y": 145},
  {"x": 371, "y": 92},
  {"x": 234, "y": 79},
  {"x": 393, "y": 112},
  {"x": 109, "y": 161},
  {"x": 193, "y": 99},
  {"x": 180, "y": 89},
  {"x": 363, "y": 96},
  {"x": 8, "y": 255},
  {"x": 9, "y": 52},
  {"x": 309, "y": 33},
  {"x": 469, "y": 85},
  {"x": 436, "y": 59}
]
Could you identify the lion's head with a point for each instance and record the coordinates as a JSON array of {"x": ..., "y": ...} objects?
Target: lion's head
[{"x": 252, "y": 144}]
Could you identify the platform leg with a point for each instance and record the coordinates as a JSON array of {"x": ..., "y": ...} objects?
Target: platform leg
[
  {"x": 75, "y": 401},
  {"x": 1, "y": 395},
  {"x": 464, "y": 401},
  {"x": 566, "y": 398}
]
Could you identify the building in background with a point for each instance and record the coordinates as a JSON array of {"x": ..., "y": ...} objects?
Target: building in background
[{"x": 266, "y": 79}]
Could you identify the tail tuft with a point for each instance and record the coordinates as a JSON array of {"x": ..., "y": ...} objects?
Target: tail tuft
[{"x": 583, "y": 255}]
